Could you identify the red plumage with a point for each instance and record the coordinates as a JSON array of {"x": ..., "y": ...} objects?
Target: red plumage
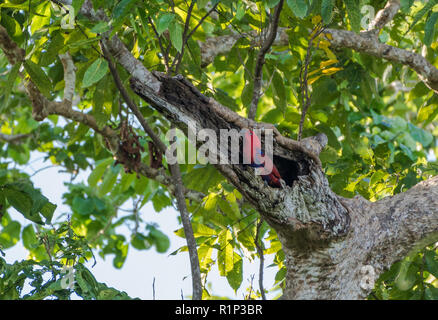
[{"x": 255, "y": 157}]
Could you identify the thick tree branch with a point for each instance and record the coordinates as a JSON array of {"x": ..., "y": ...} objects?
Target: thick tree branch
[
  {"x": 427, "y": 72},
  {"x": 13, "y": 138},
  {"x": 326, "y": 239},
  {"x": 384, "y": 16},
  {"x": 381, "y": 233},
  {"x": 42, "y": 107},
  {"x": 366, "y": 42}
]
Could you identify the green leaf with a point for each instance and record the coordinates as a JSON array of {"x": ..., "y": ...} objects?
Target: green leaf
[
  {"x": 161, "y": 241},
  {"x": 202, "y": 178},
  {"x": 235, "y": 276},
  {"x": 109, "y": 180},
  {"x": 140, "y": 242},
  {"x": 176, "y": 32},
  {"x": 77, "y": 5},
  {"x": 98, "y": 171},
  {"x": 101, "y": 27},
  {"x": 225, "y": 253},
  {"x": 272, "y": 3},
  {"x": 83, "y": 206},
  {"x": 419, "y": 135},
  {"x": 298, "y": 7},
  {"x": 19, "y": 200},
  {"x": 39, "y": 78},
  {"x": 200, "y": 230},
  {"x": 327, "y": 7},
  {"x": 431, "y": 258},
  {"x": 420, "y": 14},
  {"x": 164, "y": 22},
  {"x": 406, "y": 276},
  {"x": 95, "y": 72},
  {"x": 202, "y": 3},
  {"x": 354, "y": 14},
  {"x": 429, "y": 29},
  {"x": 10, "y": 83},
  {"x": 29, "y": 237},
  {"x": 54, "y": 47},
  {"x": 247, "y": 94},
  {"x": 48, "y": 210},
  {"x": 29, "y": 201},
  {"x": 41, "y": 18},
  {"x": 10, "y": 235}
]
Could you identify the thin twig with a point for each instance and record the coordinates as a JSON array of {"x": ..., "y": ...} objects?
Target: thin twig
[
  {"x": 176, "y": 176},
  {"x": 258, "y": 73},
  {"x": 261, "y": 257},
  {"x": 160, "y": 43},
  {"x": 153, "y": 289},
  {"x": 304, "y": 87},
  {"x": 179, "y": 57}
]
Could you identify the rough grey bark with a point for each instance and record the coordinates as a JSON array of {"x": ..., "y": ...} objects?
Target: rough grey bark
[{"x": 327, "y": 239}]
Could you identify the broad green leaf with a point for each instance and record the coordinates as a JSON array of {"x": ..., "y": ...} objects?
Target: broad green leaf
[
  {"x": 123, "y": 8},
  {"x": 204, "y": 254},
  {"x": 54, "y": 48},
  {"x": 211, "y": 202},
  {"x": 95, "y": 72},
  {"x": 164, "y": 22},
  {"x": 202, "y": 3},
  {"x": 225, "y": 253},
  {"x": 10, "y": 83},
  {"x": 201, "y": 230},
  {"x": 127, "y": 180},
  {"x": 140, "y": 242},
  {"x": 420, "y": 135},
  {"x": 29, "y": 237},
  {"x": 354, "y": 14},
  {"x": 161, "y": 241},
  {"x": 406, "y": 276},
  {"x": 327, "y": 7},
  {"x": 83, "y": 206},
  {"x": 48, "y": 210},
  {"x": 298, "y": 7},
  {"x": 41, "y": 18},
  {"x": 98, "y": 171},
  {"x": 420, "y": 14},
  {"x": 77, "y": 5},
  {"x": 431, "y": 258},
  {"x": 176, "y": 32},
  {"x": 10, "y": 235},
  {"x": 120, "y": 12},
  {"x": 235, "y": 276},
  {"x": 109, "y": 180},
  {"x": 19, "y": 200},
  {"x": 39, "y": 78},
  {"x": 429, "y": 29},
  {"x": 100, "y": 27}
]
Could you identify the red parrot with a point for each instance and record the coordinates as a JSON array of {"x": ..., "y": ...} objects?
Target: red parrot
[{"x": 253, "y": 154}]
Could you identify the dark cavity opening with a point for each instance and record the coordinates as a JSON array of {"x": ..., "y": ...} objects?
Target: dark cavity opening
[{"x": 289, "y": 169}]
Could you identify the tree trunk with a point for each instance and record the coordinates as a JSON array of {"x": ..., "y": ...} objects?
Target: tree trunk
[{"x": 330, "y": 243}]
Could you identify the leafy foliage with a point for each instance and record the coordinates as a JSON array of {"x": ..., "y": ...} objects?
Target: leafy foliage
[{"x": 379, "y": 118}]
